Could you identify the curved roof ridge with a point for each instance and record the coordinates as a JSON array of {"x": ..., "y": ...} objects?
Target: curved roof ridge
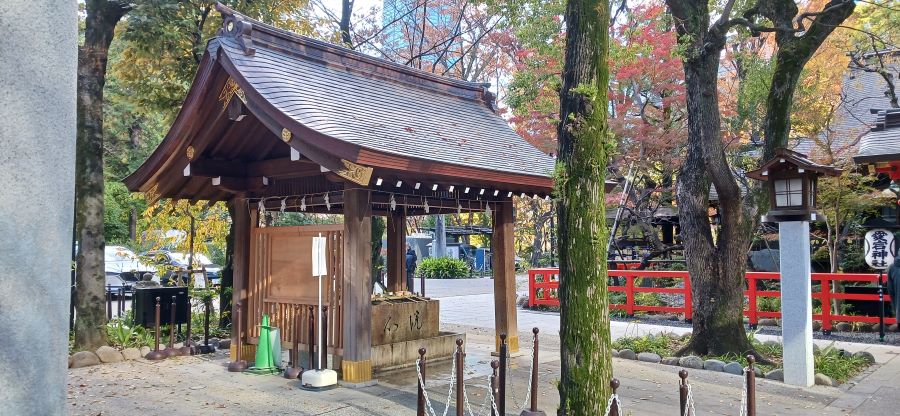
[{"x": 250, "y": 32}]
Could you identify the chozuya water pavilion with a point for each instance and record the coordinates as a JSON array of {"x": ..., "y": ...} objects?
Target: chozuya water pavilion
[{"x": 278, "y": 121}]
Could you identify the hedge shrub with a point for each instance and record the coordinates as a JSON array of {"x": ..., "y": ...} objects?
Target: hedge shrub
[{"x": 443, "y": 268}]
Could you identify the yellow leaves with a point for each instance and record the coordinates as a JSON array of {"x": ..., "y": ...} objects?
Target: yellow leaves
[{"x": 167, "y": 225}]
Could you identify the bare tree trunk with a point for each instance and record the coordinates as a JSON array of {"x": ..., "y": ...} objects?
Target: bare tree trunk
[
  {"x": 100, "y": 24},
  {"x": 583, "y": 154},
  {"x": 346, "y": 13},
  {"x": 716, "y": 265}
]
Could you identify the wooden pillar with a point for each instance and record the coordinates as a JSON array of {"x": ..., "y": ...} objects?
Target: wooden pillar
[
  {"x": 243, "y": 220},
  {"x": 396, "y": 252},
  {"x": 357, "y": 365},
  {"x": 504, "y": 264}
]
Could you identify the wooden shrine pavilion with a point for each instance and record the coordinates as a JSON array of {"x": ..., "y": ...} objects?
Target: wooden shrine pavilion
[{"x": 277, "y": 121}]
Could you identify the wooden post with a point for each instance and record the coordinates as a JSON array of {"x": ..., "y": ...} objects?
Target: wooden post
[
  {"x": 396, "y": 252},
  {"x": 237, "y": 363},
  {"x": 357, "y": 365},
  {"x": 241, "y": 269},
  {"x": 504, "y": 264},
  {"x": 683, "y": 392}
]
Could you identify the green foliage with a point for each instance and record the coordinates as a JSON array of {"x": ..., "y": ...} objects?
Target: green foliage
[
  {"x": 768, "y": 304},
  {"x": 123, "y": 333},
  {"x": 832, "y": 363},
  {"x": 853, "y": 259},
  {"x": 379, "y": 225},
  {"x": 663, "y": 344},
  {"x": 443, "y": 268},
  {"x": 648, "y": 299},
  {"x": 118, "y": 205},
  {"x": 829, "y": 361}
]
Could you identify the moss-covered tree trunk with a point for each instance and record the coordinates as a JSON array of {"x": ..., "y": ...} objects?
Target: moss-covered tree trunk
[
  {"x": 583, "y": 153},
  {"x": 90, "y": 307},
  {"x": 793, "y": 53}
]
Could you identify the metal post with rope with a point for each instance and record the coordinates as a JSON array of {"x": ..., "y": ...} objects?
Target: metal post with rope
[
  {"x": 748, "y": 396},
  {"x": 614, "y": 405},
  {"x": 504, "y": 360},
  {"x": 532, "y": 388}
]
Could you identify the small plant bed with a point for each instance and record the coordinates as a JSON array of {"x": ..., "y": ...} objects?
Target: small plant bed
[{"x": 833, "y": 366}]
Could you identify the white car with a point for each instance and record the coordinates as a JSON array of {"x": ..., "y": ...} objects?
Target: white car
[{"x": 123, "y": 267}]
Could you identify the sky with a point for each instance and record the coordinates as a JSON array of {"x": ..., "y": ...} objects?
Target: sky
[{"x": 358, "y": 5}]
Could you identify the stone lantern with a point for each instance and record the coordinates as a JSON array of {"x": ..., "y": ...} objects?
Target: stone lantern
[
  {"x": 792, "y": 190},
  {"x": 793, "y": 181}
]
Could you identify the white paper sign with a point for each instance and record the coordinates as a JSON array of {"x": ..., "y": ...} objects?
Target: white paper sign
[
  {"x": 199, "y": 281},
  {"x": 880, "y": 249},
  {"x": 319, "y": 268}
]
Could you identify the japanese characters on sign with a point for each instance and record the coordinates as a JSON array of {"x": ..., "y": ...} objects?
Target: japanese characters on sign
[{"x": 880, "y": 249}]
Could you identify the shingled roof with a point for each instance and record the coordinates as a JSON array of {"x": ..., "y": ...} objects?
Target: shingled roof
[
  {"x": 334, "y": 105},
  {"x": 861, "y": 91},
  {"x": 882, "y": 143}
]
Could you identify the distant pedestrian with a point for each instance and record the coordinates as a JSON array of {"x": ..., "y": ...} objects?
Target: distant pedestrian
[
  {"x": 893, "y": 286},
  {"x": 411, "y": 260}
]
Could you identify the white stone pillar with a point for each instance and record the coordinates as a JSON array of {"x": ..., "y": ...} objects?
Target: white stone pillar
[
  {"x": 38, "y": 64},
  {"x": 796, "y": 303}
]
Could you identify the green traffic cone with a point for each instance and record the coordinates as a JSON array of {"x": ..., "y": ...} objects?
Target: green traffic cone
[{"x": 263, "y": 351}]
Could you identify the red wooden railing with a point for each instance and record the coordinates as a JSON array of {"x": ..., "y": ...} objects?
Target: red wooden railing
[{"x": 544, "y": 282}]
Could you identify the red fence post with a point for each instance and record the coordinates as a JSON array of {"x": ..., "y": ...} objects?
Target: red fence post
[
  {"x": 825, "y": 290},
  {"x": 532, "y": 291},
  {"x": 752, "y": 312},
  {"x": 688, "y": 298},
  {"x": 629, "y": 295}
]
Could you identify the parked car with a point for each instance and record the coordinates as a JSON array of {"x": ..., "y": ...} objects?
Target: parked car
[
  {"x": 124, "y": 268},
  {"x": 172, "y": 262}
]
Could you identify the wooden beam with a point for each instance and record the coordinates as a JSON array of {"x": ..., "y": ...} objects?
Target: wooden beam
[
  {"x": 357, "y": 364},
  {"x": 236, "y": 109},
  {"x": 281, "y": 168},
  {"x": 240, "y": 185},
  {"x": 396, "y": 252},
  {"x": 243, "y": 218},
  {"x": 504, "y": 264}
]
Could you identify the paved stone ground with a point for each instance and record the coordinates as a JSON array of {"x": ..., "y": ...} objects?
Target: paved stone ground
[{"x": 193, "y": 385}]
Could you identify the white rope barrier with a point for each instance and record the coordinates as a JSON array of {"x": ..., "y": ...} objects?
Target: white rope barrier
[
  {"x": 425, "y": 391},
  {"x": 690, "y": 402},
  {"x": 512, "y": 391},
  {"x": 744, "y": 394},
  {"x": 613, "y": 398}
]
